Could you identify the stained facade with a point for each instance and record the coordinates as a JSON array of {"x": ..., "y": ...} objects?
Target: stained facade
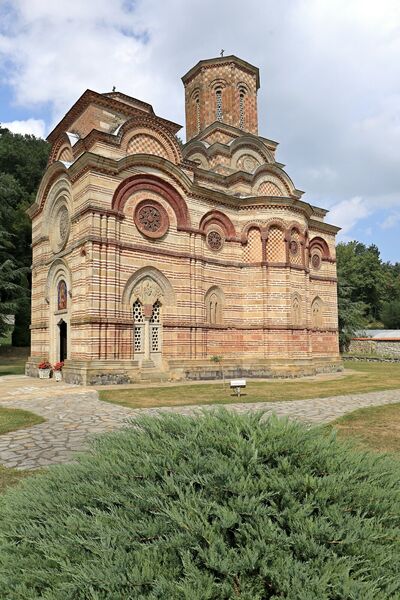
[{"x": 150, "y": 257}]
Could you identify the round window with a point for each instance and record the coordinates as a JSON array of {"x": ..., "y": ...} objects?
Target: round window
[
  {"x": 151, "y": 219},
  {"x": 214, "y": 240}
]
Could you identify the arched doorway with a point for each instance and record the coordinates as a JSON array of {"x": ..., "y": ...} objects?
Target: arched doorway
[
  {"x": 58, "y": 297},
  {"x": 63, "y": 344}
]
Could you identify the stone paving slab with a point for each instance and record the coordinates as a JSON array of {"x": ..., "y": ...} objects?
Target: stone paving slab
[{"x": 74, "y": 413}]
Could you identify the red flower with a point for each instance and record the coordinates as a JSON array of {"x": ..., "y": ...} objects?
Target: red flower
[
  {"x": 58, "y": 366},
  {"x": 44, "y": 365}
]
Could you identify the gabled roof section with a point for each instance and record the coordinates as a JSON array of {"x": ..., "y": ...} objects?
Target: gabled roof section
[
  {"x": 222, "y": 60},
  {"x": 113, "y": 101},
  {"x": 235, "y": 132}
]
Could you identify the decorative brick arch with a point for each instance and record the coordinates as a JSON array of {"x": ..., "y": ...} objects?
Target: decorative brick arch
[
  {"x": 294, "y": 225},
  {"x": 59, "y": 148},
  {"x": 277, "y": 224},
  {"x": 147, "y": 127},
  {"x": 252, "y": 225},
  {"x": 156, "y": 276},
  {"x": 136, "y": 183},
  {"x": 216, "y": 217},
  {"x": 318, "y": 243}
]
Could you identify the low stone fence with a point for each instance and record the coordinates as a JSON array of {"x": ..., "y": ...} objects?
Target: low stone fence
[
  {"x": 371, "y": 359},
  {"x": 379, "y": 346}
]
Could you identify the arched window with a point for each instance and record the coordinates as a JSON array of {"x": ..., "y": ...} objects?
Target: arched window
[
  {"x": 242, "y": 93},
  {"x": 296, "y": 310},
  {"x": 214, "y": 306},
  {"x": 316, "y": 313},
  {"x": 138, "y": 327},
  {"x": 62, "y": 295},
  {"x": 155, "y": 328},
  {"x": 218, "y": 99},
  {"x": 197, "y": 100}
]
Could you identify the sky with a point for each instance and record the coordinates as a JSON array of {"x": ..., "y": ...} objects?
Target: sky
[{"x": 329, "y": 71}]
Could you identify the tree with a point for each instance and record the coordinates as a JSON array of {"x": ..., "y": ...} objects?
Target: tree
[
  {"x": 23, "y": 159},
  {"x": 362, "y": 270},
  {"x": 11, "y": 277},
  {"x": 391, "y": 314},
  {"x": 351, "y": 314}
]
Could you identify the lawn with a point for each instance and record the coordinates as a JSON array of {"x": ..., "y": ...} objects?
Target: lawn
[
  {"x": 360, "y": 378},
  {"x": 376, "y": 428},
  {"x": 12, "y": 419},
  {"x": 12, "y": 360}
]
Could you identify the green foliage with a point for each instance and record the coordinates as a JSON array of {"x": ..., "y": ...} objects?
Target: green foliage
[
  {"x": 23, "y": 159},
  {"x": 21, "y": 335},
  {"x": 216, "y": 359},
  {"x": 365, "y": 285},
  {"x": 391, "y": 314},
  {"x": 351, "y": 314},
  {"x": 220, "y": 506}
]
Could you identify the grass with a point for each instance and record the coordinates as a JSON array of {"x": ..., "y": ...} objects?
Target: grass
[
  {"x": 12, "y": 419},
  {"x": 362, "y": 378},
  {"x": 11, "y": 477},
  {"x": 12, "y": 360},
  {"x": 376, "y": 428}
]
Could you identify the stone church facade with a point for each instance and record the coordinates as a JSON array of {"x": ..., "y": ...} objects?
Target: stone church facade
[{"x": 151, "y": 257}]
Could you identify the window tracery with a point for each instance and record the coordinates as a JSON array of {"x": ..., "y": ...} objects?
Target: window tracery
[
  {"x": 155, "y": 327},
  {"x": 241, "y": 109},
  {"x": 138, "y": 331},
  {"x": 218, "y": 97}
]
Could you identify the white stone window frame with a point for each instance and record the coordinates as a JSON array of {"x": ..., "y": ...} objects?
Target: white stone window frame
[{"x": 138, "y": 327}]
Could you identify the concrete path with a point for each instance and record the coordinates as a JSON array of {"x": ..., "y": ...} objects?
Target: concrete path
[{"x": 73, "y": 413}]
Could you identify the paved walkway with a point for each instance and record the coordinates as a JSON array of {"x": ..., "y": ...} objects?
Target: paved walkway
[{"x": 73, "y": 413}]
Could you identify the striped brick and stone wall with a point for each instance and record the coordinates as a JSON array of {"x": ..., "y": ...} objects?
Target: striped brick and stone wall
[{"x": 169, "y": 259}]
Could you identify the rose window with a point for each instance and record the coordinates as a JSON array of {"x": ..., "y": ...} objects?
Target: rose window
[
  {"x": 214, "y": 240},
  {"x": 316, "y": 261},
  {"x": 151, "y": 218}
]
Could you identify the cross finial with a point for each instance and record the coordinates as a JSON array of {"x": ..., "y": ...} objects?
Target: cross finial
[{"x": 222, "y": 52}]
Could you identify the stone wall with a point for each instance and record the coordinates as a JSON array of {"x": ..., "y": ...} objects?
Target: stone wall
[{"x": 381, "y": 346}]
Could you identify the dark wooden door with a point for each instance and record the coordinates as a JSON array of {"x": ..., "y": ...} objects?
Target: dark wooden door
[{"x": 63, "y": 340}]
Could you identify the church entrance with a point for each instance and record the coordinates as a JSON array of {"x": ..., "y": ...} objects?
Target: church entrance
[
  {"x": 147, "y": 332},
  {"x": 62, "y": 326}
]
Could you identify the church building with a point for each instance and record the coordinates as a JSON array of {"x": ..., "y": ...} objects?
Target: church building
[{"x": 157, "y": 260}]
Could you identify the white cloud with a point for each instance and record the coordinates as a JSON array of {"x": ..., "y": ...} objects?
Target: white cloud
[
  {"x": 330, "y": 80},
  {"x": 391, "y": 220},
  {"x": 347, "y": 213},
  {"x": 35, "y": 127}
]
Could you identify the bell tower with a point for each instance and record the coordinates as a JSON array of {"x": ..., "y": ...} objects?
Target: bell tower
[{"x": 224, "y": 90}]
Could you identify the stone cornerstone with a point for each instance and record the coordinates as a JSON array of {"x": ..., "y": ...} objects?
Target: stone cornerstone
[{"x": 151, "y": 257}]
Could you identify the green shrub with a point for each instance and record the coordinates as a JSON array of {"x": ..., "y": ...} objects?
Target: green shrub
[{"x": 214, "y": 507}]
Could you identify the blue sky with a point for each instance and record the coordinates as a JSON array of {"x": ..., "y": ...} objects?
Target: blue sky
[{"x": 329, "y": 69}]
